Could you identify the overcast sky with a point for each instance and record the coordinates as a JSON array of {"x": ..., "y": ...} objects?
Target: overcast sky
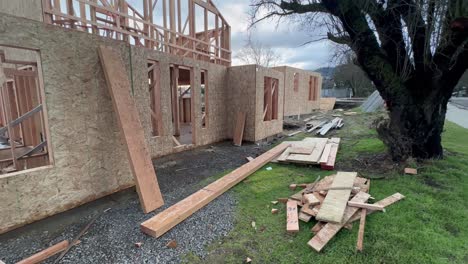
[{"x": 285, "y": 39}]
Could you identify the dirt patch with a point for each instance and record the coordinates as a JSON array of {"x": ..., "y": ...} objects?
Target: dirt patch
[{"x": 366, "y": 164}]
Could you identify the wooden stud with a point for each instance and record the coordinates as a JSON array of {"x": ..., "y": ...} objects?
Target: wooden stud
[
  {"x": 239, "y": 129},
  {"x": 46, "y": 253},
  {"x": 292, "y": 218},
  {"x": 384, "y": 202},
  {"x": 359, "y": 244},
  {"x": 366, "y": 206}
]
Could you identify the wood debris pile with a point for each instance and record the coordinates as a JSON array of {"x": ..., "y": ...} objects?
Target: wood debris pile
[
  {"x": 335, "y": 202},
  {"x": 325, "y": 126},
  {"x": 313, "y": 151}
]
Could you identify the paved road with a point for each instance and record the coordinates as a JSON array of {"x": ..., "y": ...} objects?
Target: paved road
[
  {"x": 460, "y": 102},
  {"x": 457, "y": 111}
]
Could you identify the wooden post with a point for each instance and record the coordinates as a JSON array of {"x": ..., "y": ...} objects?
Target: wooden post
[
  {"x": 92, "y": 13},
  {"x": 47, "y": 4},
  {"x": 156, "y": 76},
  {"x": 172, "y": 25},
  {"x": 11, "y": 134},
  {"x": 146, "y": 11},
  {"x": 216, "y": 35},
  {"x": 166, "y": 35},
  {"x": 71, "y": 12},
  {"x": 175, "y": 100}
]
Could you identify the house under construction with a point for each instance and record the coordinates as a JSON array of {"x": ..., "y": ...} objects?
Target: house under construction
[{"x": 92, "y": 90}]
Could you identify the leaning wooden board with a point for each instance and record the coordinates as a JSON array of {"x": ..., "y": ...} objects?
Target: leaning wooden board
[
  {"x": 239, "y": 129},
  {"x": 334, "y": 205},
  {"x": 330, "y": 229},
  {"x": 132, "y": 130},
  {"x": 164, "y": 221}
]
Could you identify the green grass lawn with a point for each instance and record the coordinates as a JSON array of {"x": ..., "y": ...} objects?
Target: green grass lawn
[{"x": 429, "y": 226}]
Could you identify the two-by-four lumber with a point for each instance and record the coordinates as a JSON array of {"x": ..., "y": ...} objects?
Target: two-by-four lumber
[
  {"x": 330, "y": 229},
  {"x": 362, "y": 223},
  {"x": 239, "y": 129},
  {"x": 132, "y": 130},
  {"x": 367, "y": 206},
  {"x": 46, "y": 253},
  {"x": 384, "y": 202},
  {"x": 292, "y": 218},
  {"x": 164, "y": 221},
  {"x": 333, "y": 207},
  {"x": 327, "y": 162}
]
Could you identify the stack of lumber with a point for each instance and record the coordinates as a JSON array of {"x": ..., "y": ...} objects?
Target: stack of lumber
[
  {"x": 335, "y": 202},
  {"x": 324, "y": 127},
  {"x": 313, "y": 151}
]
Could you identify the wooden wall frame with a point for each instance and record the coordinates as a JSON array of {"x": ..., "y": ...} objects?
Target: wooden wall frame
[
  {"x": 177, "y": 35},
  {"x": 25, "y": 114}
]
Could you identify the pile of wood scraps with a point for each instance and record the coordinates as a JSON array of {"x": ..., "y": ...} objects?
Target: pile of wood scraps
[
  {"x": 312, "y": 151},
  {"x": 335, "y": 202},
  {"x": 325, "y": 126}
]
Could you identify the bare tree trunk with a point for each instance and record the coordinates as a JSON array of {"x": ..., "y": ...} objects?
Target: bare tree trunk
[{"x": 415, "y": 125}]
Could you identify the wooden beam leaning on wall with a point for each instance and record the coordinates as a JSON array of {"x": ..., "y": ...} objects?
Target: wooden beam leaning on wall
[
  {"x": 132, "y": 130},
  {"x": 239, "y": 129},
  {"x": 167, "y": 219}
]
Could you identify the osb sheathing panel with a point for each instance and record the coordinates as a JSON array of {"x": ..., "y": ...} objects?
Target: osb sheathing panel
[
  {"x": 241, "y": 97},
  {"x": 90, "y": 160},
  {"x": 31, "y": 9},
  {"x": 216, "y": 128},
  {"x": 265, "y": 129},
  {"x": 297, "y": 102}
]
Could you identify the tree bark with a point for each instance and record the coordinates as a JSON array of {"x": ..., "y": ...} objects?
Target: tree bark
[{"x": 415, "y": 124}]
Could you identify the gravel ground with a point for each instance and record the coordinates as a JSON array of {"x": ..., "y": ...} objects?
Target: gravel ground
[{"x": 112, "y": 238}]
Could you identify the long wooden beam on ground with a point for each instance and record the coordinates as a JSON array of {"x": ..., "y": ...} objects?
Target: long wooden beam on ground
[
  {"x": 132, "y": 130},
  {"x": 167, "y": 219}
]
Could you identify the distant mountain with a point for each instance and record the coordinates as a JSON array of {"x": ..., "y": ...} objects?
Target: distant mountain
[{"x": 327, "y": 72}]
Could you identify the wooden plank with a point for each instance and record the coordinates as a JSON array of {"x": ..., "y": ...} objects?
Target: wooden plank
[
  {"x": 314, "y": 157},
  {"x": 326, "y": 153},
  {"x": 46, "y": 253},
  {"x": 317, "y": 227},
  {"x": 411, "y": 171},
  {"x": 330, "y": 163},
  {"x": 311, "y": 199},
  {"x": 301, "y": 150},
  {"x": 239, "y": 129},
  {"x": 362, "y": 223},
  {"x": 366, "y": 206},
  {"x": 331, "y": 229},
  {"x": 334, "y": 205},
  {"x": 292, "y": 218},
  {"x": 327, "y": 103},
  {"x": 132, "y": 130},
  {"x": 304, "y": 217},
  {"x": 164, "y": 221},
  {"x": 384, "y": 202}
]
